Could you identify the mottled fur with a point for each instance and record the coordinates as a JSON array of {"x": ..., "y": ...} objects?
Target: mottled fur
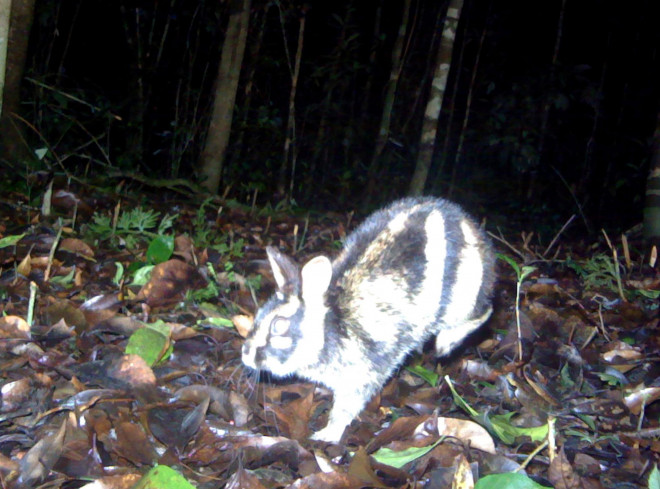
[{"x": 417, "y": 269}]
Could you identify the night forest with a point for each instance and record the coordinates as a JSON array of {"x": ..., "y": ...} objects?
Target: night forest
[
  {"x": 151, "y": 151},
  {"x": 549, "y": 108}
]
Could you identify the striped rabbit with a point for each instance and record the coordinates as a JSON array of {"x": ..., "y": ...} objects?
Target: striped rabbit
[{"x": 418, "y": 269}]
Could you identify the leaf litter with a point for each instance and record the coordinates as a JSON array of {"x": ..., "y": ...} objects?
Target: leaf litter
[{"x": 120, "y": 352}]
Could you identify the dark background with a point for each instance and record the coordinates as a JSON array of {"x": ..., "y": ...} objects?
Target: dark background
[{"x": 602, "y": 94}]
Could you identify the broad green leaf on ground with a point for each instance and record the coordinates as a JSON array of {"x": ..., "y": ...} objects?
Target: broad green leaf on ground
[
  {"x": 11, "y": 240},
  {"x": 654, "y": 478},
  {"x": 219, "y": 322},
  {"x": 64, "y": 280},
  {"x": 142, "y": 274},
  {"x": 160, "y": 249},
  {"x": 508, "y": 481},
  {"x": 398, "y": 459},
  {"x": 500, "y": 424},
  {"x": 426, "y": 374},
  {"x": 163, "y": 477},
  {"x": 508, "y": 432},
  {"x": 152, "y": 343}
]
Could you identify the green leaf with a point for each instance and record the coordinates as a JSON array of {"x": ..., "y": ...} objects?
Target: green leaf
[
  {"x": 398, "y": 459},
  {"x": 219, "y": 322},
  {"x": 526, "y": 270},
  {"x": 160, "y": 249},
  {"x": 649, "y": 294},
  {"x": 654, "y": 478},
  {"x": 510, "y": 261},
  {"x": 11, "y": 240},
  {"x": 40, "y": 153},
  {"x": 64, "y": 280},
  {"x": 142, "y": 275},
  {"x": 460, "y": 402},
  {"x": 163, "y": 477},
  {"x": 610, "y": 379},
  {"x": 161, "y": 326},
  {"x": 510, "y": 480},
  {"x": 119, "y": 273},
  {"x": 426, "y": 374},
  {"x": 589, "y": 421},
  {"x": 152, "y": 343},
  {"x": 501, "y": 425}
]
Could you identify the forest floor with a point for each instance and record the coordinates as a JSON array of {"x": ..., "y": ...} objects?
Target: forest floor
[{"x": 107, "y": 370}]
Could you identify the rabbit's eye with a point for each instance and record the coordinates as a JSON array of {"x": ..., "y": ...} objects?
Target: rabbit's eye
[{"x": 279, "y": 326}]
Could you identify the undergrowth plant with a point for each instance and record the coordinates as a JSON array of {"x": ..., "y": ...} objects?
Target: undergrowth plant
[
  {"x": 598, "y": 272},
  {"x": 132, "y": 227},
  {"x": 203, "y": 233},
  {"x": 521, "y": 274},
  {"x": 610, "y": 272}
]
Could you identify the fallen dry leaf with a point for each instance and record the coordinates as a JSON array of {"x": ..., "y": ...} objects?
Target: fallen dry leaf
[
  {"x": 243, "y": 324},
  {"x": 36, "y": 464},
  {"x": 169, "y": 283},
  {"x": 242, "y": 479},
  {"x": 468, "y": 432},
  {"x": 463, "y": 478}
]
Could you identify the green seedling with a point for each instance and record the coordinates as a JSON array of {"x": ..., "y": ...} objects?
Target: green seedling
[
  {"x": 521, "y": 275},
  {"x": 203, "y": 232}
]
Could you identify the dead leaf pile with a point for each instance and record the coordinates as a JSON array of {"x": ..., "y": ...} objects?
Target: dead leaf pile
[{"x": 82, "y": 401}]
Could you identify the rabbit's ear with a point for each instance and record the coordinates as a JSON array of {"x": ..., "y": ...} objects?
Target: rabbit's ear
[
  {"x": 285, "y": 271},
  {"x": 316, "y": 277}
]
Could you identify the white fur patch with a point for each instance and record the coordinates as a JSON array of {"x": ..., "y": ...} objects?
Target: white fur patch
[
  {"x": 451, "y": 337},
  {"x": 469, "y": 275},
  {"x": 398, "y": 224},
  {"x": 290, "y": 308},
  {"x": 372, "y": 294},
  {"x": 435, "y": 252},
  {"x": 248, "y": 360},
  {"x": 316, "y": 276},
  {"x": 384, "y": 325},
  {"x": 311, "y": 342},
  {"x": 278, "y": 274},
  {"x": 281, "y": 342}
]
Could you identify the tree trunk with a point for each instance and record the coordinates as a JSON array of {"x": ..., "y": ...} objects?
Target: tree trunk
[
  {"x": 324, "y": 153},
  {"x": 5, "y": 14},
  {"x": 388, "y": 104},
  {"x": 545, "y": 118},
  {"x": 231, "y": 59},
  {"x": 258, "y": 28},
  {"x": 434, "y": 104},
  {"x": 468, "y": 105},
  {"x": 290, "y": 150},
  {"x": 652, "y": 204},
  {"x": 12, "y": 142},
  {"x": 364, "y": 106}
]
